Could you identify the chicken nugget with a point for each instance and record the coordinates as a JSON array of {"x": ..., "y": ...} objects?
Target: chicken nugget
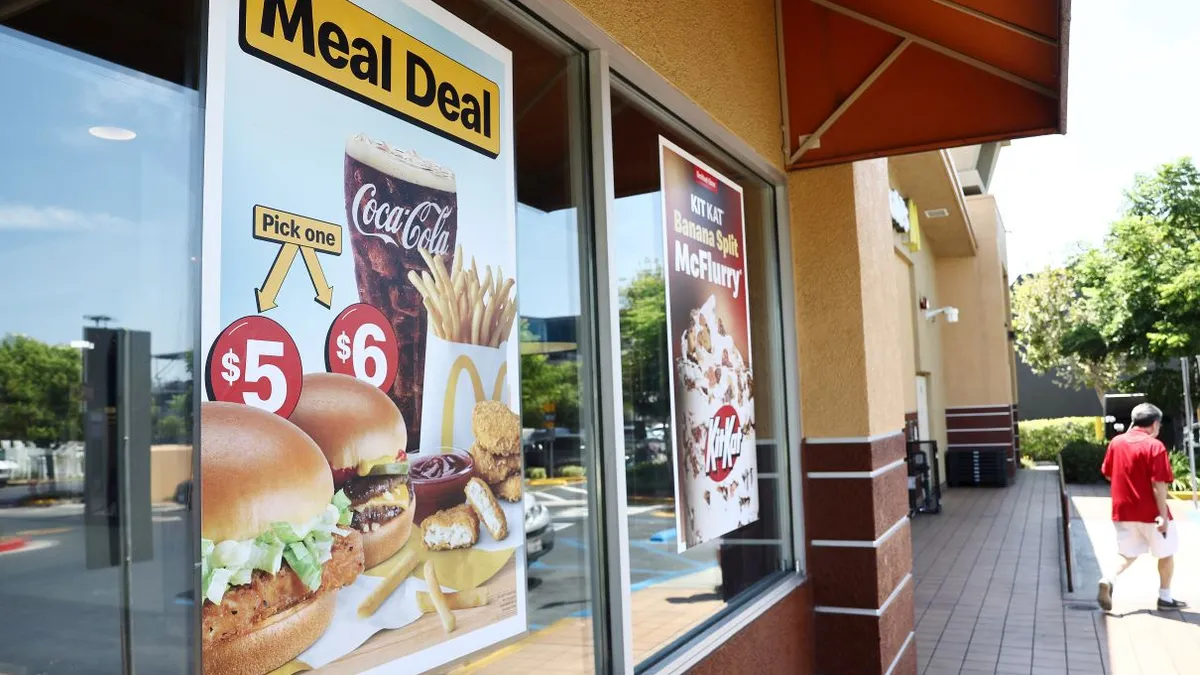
[
  {"x": 481, "y": 499},
  {"x": 510, "y": 488},
  {"x": 497, "y": 429},
  {"x": 451, "y": 528},
  {"x": 494, "y": 468}
]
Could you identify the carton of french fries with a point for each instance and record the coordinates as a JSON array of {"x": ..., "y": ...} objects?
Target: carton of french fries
[{"x": 472, "y": 315}]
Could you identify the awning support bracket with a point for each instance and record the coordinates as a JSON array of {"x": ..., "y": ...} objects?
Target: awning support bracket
[
  {"x": 813, "y": 140},
  {"x": 941, "y": 49}
]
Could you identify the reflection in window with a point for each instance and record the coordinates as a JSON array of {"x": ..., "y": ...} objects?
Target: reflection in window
[
  {"x": 556, "y": 415},
  {"x": 99, "y": 221},
  {"x": 675, "y": 594}
]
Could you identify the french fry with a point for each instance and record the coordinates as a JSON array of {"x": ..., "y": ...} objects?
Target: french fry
[
  {"x": 408, "y": 563},
  {"x": 476, "y": 322},
  {"x": 463, "y": 307},
  {"x": 476, "y": 597},
  {"x": 438, "y": 599}
]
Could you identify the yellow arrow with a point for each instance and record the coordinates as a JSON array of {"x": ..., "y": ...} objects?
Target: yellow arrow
[
  {"x": 266, "y": 295},
  {"x": 324, "y": 290}
]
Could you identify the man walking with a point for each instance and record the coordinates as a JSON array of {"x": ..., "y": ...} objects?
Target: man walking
[{"x": 1139, "y": 469}]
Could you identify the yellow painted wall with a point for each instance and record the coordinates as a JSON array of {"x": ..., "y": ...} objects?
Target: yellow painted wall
[
  {"x": 848, "y": 329},
  {"x": 928, "y": 338},
  {"x": 976, "y": 350},
  {"x": 170, "y": 465},
  {"x": 721, "y": 54},
  {"x": 906, "y": 326}
]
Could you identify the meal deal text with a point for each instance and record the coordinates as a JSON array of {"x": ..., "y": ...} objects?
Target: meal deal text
[
  {"x": 708, "y": 324},
  {"x": 362, "y": 487}
]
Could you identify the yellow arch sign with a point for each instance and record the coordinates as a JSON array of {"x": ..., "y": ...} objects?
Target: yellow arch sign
[{"x": 464, "y": 364}]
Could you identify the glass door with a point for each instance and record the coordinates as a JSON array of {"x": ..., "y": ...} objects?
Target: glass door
[{"x": 99, "y": 226}]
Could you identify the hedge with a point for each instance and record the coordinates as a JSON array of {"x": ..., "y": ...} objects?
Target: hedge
[
  {"x": 1081, "y": 461},
  {"x": 1042, "y": 440}
]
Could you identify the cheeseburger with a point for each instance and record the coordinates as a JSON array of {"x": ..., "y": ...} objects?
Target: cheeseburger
[
  {"x": 275, "y": 540},
  {"x": 363, "y": 436}
]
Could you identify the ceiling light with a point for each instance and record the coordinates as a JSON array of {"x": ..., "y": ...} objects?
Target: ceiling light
[
  {"x": 112, "y": 133},
  {"x": 937, "y": 213}
]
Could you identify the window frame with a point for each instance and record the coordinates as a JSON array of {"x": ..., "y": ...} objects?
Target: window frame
[
  {"x": 599, "y": 341},
  {"x": 613, "y": 625}
]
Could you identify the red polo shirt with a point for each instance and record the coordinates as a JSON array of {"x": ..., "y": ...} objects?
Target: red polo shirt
[{"x": 1134, "y": 462}]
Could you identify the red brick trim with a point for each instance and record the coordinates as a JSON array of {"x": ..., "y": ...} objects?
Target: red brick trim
[
  {"x": 860, "y": 577},
  {"x": 853, "y": 644},
  {"x": 855, "y": 508},
  {"x": 853, "y": 455}
]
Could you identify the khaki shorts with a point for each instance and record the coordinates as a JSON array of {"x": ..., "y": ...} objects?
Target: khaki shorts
[{"x": 1135, "y": 539}]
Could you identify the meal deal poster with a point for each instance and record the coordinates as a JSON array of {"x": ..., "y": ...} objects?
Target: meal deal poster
[
  {"x": 361, "y": 471},
  {"x": 708, "y": 328}
]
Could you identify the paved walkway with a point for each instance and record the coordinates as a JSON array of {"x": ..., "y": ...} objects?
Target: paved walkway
[{"x": 991, "y": 596}]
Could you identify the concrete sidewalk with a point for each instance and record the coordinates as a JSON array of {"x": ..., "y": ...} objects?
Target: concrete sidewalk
[{"x": 991, "y": 596}]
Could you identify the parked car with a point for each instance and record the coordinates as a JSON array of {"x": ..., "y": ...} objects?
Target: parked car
[
  {"x": 7, "y": 469},
  {"x": 539, "y": 530}
]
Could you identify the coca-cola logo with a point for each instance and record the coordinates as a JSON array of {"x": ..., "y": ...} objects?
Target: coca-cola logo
[
  {"x": 724, "y": 443},
  {"x": 421, "y": 226}
]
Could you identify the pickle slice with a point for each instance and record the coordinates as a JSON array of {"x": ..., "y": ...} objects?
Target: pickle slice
[{"x": 391, "y": 469}]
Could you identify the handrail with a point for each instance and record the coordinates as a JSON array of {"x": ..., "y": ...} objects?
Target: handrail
[{"x": 1065, "y": 503}]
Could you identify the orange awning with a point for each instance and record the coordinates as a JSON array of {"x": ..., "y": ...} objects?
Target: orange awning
[{"x": 873, "y": 78}]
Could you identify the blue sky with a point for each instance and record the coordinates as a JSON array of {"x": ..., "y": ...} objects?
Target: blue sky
[{"x": 1133, "y": 103}]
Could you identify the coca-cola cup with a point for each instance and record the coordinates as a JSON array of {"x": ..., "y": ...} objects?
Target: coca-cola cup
[{"x": 396, "y": 204}]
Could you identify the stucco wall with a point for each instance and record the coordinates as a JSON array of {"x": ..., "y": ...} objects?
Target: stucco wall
[
  {"x": 885, "y": 376},
  {"x": 906, "y": 327},
  {"x": 976, "y": 350},
  {"x": 929, "y": 343},
  {"x": 721, "y": 54},
  {"x": 848, "y": 329}
]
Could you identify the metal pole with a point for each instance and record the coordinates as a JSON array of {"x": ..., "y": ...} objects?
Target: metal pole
[{"x": 1185, "y": 368}]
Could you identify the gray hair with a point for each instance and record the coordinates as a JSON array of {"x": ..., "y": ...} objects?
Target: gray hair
[{"x": 1145, "y": 415}]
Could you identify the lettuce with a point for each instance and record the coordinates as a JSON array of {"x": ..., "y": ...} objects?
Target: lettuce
[{"x": 305, "y": 546}]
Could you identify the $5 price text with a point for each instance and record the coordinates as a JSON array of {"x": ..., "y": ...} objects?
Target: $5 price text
[{"x": 254, "y": 361}]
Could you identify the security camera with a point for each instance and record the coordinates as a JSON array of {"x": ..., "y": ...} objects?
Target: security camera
[{"x": 952, "y": 314}]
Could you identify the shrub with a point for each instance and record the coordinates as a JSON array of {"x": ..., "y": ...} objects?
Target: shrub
[
  {"x": 572, "y": 472},
  {"x": 650, "y": 479},
  {"x": 1183, "y": 472},
  {"x": 535, "y": 472},
  {"x": 1081, "y": 461},
  {"x": 1042, "y": 440}
]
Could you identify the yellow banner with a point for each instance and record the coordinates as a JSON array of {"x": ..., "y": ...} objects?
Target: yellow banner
[
  {"x": 292, "y": 228},
  {"x": 339, "y": 45}
]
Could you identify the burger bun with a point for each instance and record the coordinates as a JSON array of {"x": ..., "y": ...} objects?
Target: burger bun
[
  {"x": 273, "y": 643},
  {"x": 350, "y": 420},
  {"x": 383, "y": 543}
]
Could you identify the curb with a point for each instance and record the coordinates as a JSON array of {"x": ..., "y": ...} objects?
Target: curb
[
  {"x": 12, "y": 544},
  {"x": 543, "y": 482}
]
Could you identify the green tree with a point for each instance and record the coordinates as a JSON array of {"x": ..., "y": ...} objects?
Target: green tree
[
  {"x": 40, "y": 391},
  {"x": 1057, "y": 328},
  {"x": 1154, "y": 283},
  {"x": 644, "y": 344},
  {"x": 544, "y": 381}
]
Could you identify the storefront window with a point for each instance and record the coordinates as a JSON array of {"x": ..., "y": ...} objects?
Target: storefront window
[
  {"x": 674, "y": 593},
  {"x": 557, "y": 411},
  {"x": 100, "y": 322},
  {"x": 99, "y": 213}
]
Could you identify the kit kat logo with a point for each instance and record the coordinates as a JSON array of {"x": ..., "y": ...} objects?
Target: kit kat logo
[
  {"x": 724, "y": 443},
  {"x": 704, "y": 178},
  {"x": 339, "y": 45}
]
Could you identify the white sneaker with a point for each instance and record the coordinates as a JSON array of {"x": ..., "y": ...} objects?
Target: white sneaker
[{"x": 1104, "y": 596}]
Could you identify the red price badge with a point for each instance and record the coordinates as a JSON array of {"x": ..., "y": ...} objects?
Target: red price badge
[
  {"x": 254, "y": 361},
  {"x": 361, "y": 343}
]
